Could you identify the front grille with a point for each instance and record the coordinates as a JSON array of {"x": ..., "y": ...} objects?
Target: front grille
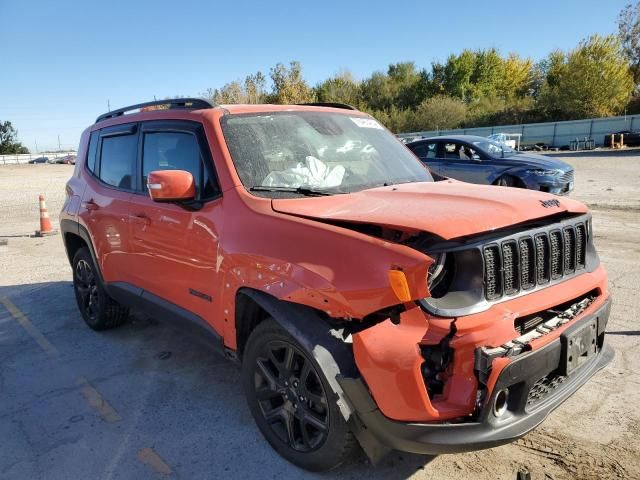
[
  {"x": 527, "y": 264},
  {"x": 567, "y": 177},
  {"x": 510, "y": 267},
  {"x": 521, "y": 264},
  {"x": 543, "y": 387},
  {"x": 493, "y": 279},
  {"x": 556, "y": 254}
]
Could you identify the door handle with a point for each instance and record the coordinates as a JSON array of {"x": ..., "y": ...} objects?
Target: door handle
[
  {"x": 90, "y": 205},
  {"x": 139, "y": 218}
]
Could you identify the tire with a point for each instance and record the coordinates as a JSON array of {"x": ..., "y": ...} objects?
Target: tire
[
  {"x": 97, "y": 308},
  {"x": 292, "y": 402},
  {"x": 506, "y": 181}
]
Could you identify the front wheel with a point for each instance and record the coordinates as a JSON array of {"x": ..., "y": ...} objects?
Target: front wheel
[
  {"x": 507, "y": 181},
  {"x": 292, "y": 402}
]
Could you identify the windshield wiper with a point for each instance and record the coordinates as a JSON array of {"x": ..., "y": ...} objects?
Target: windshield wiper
[{"x": 310, "y": 192}]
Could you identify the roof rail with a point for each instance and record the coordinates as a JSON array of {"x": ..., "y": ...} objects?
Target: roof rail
[
  {"x": 330, "y": 104},
  {"x": 190, "y": 103}
]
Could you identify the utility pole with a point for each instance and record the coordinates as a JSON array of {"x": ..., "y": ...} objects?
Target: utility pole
[
  {"x": 108, "y": 105},
  {"x": 36, "y": 145},
  {"x": 59, "y": 147}
]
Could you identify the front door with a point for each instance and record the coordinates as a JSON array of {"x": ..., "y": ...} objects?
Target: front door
[
  {"x": 464, "y": 163},
  {"x": 176, "y": 245}
]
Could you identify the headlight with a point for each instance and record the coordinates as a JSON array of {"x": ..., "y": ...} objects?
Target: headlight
[
  {"x": 544, "y": 172},
  {"x": 436, "y": 271}
]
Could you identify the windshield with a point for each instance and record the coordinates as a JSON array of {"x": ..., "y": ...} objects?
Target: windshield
[
  {"x": 319, "y": 151},
  {"x": 494, "y": 148}
]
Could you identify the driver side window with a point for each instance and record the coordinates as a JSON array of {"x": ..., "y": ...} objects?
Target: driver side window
[{"x": 176, "y": 151}]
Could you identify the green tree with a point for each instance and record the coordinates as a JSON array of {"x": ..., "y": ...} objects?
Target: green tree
[
  {"x": 341, "y": 88},
  {"x": 9, "y": 143},
  {"x": 629, "y": 36},
  {"x": 289, "y": 87},
  {"x": 440, "y": 112},
  {"x": 251, "y": 90},
  {"x": 593, "y": 80},
  {"x": 517, "y": 78},
  {"x": 376, "y": 92}
]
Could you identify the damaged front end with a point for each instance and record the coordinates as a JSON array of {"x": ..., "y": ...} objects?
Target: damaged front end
[{"x": 514, "y": 325}]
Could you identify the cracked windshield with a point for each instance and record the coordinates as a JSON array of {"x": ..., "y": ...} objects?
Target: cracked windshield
[{"x": 323, "y": 152}]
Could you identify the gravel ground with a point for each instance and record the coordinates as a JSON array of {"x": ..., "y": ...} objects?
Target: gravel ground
[{"x": 144, "y": 401}]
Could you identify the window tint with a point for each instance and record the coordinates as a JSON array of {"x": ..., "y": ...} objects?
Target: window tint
[
  {"x": 176, "y": 151},
  {"x": 431, "y": 150},
  {"x": 171, "y": 151},
  {"x": 118, "y": 160},
  {"x": 93, "y": 148},
  {"x": 420, "y": 151},
  {"x": 458, "y": 151}
]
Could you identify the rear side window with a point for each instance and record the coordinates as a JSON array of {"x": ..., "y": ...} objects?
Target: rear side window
[
  {"x": 118, "y": 160},
  {"x": 93, "y": 149},
  {"x": 426, "y": 150}
]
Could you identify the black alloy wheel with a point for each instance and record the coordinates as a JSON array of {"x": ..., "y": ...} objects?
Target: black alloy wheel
[
  {"x": 98, "y": 309},
  {"x": 291, "y": 396},
  {"x": 292, "y": 402},
  {"x": 87, "y": 290}
]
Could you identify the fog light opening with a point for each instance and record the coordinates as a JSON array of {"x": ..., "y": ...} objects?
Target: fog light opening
[{"x": 501, "y": 402}]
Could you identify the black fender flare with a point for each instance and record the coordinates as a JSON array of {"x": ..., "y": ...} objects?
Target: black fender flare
[
  {"x": 331, "y": 348},
  {"x": 333, "y": 354},
  {"x": 73, "y": 227}
]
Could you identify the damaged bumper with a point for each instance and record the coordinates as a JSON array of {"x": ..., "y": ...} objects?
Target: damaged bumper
[{"x": 535, "y": 382}]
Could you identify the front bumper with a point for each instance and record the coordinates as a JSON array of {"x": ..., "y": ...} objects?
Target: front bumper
[
  {"x": 550, "y": 185},
  {"x": 520, "y": 376}
]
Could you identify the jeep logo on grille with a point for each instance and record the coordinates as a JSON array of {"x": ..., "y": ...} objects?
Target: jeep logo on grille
[{"x": 550, "y": 203}]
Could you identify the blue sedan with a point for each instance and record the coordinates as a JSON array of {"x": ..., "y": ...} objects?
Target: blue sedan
[{"x": 481, "y": 160}]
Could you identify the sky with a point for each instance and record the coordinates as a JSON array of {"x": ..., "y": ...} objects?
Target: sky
[{"x": 63, "y": 62}]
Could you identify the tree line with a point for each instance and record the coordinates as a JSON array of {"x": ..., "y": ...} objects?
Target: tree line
[{"x": 597, "y": 78}]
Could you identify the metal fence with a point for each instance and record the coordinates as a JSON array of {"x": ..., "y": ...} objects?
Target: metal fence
[
  {"x": 25, "y": 158},
  {"x": 555, "y": 134}
]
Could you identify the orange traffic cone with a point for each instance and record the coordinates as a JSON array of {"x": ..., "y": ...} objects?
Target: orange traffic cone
[{"x": 45, "y": 222}]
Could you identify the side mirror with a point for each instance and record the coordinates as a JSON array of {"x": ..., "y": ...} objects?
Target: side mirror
[{"x": 171, "y": 186}]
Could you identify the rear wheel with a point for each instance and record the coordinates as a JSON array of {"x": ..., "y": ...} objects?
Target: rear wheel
[
  {"x": 292, "y": 402},
  {"x": 98, "y": 309}
]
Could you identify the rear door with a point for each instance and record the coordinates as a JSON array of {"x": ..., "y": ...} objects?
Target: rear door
[
  {"x": 104, "y": 209},
  {"x": 176, "y": 245}
]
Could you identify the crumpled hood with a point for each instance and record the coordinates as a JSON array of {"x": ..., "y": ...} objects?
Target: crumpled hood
[{"x": 449, "y": 208}]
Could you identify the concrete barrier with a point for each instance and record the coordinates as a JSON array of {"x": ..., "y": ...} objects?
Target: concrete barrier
[{"x": 556, "y": 134}]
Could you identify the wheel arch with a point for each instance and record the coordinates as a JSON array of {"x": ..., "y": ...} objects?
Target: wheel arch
[
  {"x": 75, "y": 236},
  {"x": 311, "y": 330},
  {"x": 518, "y": 182},
  {"x": 325, "y": 342}
]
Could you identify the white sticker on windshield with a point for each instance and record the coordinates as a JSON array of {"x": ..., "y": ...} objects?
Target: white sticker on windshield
[{"x": 366, "y": 122}]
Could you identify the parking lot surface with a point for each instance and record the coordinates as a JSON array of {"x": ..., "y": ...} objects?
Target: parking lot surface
[{"x": 148, "y": 401}]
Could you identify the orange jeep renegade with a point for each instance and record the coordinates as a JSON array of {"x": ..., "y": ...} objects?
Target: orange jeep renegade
[{"x": 369, "y": 302}]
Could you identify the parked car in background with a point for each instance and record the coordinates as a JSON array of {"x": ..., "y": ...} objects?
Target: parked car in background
[
  {"x": 482, "y": 160},
  {"x": 39, "y": 160},
  {"x": 67, "y": 160}
]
